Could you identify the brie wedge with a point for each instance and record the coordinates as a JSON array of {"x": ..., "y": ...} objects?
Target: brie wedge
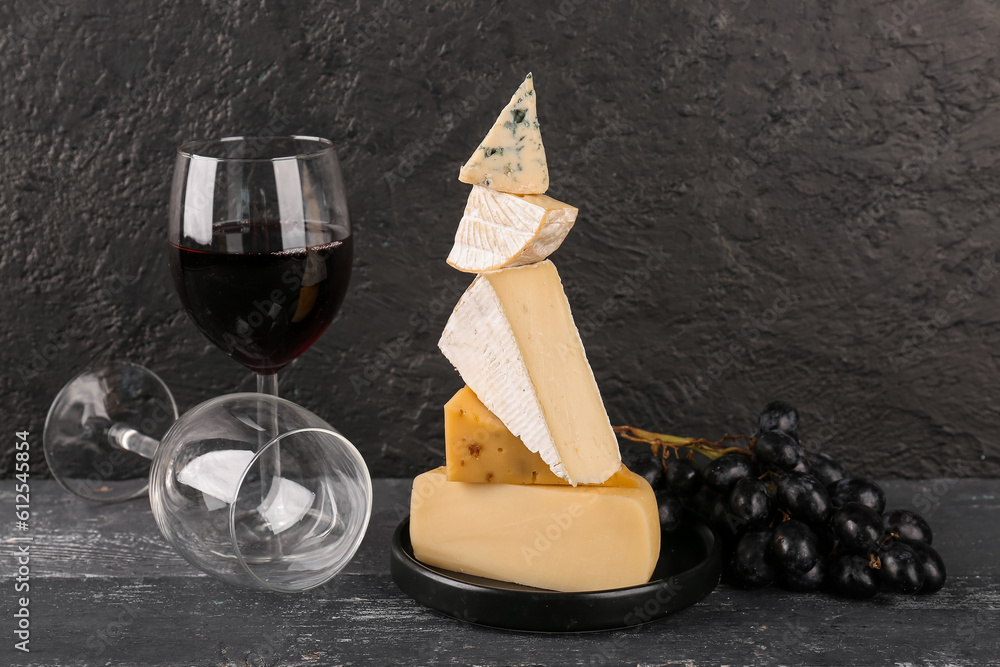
[{"x": 513, "y": 340}]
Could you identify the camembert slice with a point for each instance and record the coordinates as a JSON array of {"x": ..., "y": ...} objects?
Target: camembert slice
[
  {"x": 511, "y": 158},
  {"x": 513, "y": 340},
  {"x": 500, "y": 230}
]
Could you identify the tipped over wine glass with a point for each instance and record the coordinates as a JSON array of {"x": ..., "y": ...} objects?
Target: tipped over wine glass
[{"x": 286, "y": 515}]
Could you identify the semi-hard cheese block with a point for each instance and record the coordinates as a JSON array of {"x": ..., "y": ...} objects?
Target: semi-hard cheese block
[
  {"x": 500, "y": 230},
  {"x": 513, "y": 340},
  {"x": 555, "y": 537},
  {"x": 479, "y": 448},
  {"x": 511, "y": 157}
]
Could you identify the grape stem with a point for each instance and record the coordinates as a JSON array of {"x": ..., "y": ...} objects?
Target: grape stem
[{"x": 660, "y": 442}]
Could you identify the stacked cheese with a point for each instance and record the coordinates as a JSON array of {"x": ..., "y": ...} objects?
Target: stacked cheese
[{"x": 533, "y": 491}]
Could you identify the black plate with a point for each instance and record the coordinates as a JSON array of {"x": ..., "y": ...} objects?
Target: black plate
[{"x": 688, "y": 569}]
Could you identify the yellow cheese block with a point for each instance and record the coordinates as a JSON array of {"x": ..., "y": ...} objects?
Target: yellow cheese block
[
  {"x": 562, "y": 538},
  {"x": 479, "y": 448}
]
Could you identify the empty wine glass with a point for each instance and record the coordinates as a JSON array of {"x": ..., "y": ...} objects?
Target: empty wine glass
[{"x": 286, "y": 515}]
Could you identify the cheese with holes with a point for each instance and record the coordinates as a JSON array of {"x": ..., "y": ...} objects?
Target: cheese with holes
[
  {"x": 500, "y": 230},
  {"x": 479, "y": 448},
  {"x": 554, "y": 537},
  {"x": 513, "y": 340},
  {"x": 511, "y": 158}
]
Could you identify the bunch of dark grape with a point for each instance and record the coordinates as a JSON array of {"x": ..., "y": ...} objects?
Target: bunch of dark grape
[{"x": 790, "y": 517}]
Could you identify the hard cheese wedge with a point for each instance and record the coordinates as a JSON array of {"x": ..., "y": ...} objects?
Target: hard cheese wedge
[
  {"x": 500, "y": 230},
  {"x": 513, "y": 340},
  {"x": 511, "y": 157},
  {"x": 479, "y": 448},
  {"x": 555, "y": 537}
]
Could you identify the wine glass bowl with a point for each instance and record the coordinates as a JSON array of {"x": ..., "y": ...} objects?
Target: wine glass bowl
[
  {"x": 286, "y": 516},
  {"x": 260, "y": 244}
]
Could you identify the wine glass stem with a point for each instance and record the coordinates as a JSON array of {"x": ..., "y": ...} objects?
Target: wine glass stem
[
  {"x": 125, "y": 437},
  {"x": 267, "y": 413},
  {"x": 267, "y": 418},
  {"x": 267, "y": 384}
]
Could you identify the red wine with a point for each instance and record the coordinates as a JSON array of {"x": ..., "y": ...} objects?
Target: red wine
[{"x": 262, "y": 304}]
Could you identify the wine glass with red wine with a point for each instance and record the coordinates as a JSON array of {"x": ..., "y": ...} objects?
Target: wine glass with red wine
[{"x": 260, "y": 245}]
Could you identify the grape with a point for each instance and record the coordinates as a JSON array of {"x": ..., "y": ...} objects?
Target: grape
[
  {"x": 793, "y": 546},
  {"x": 805, "y": 581},
  {"x": 803, "y": 497},
  {"x": 723, "y": 519},
  {"x": 723, "y": 472},
  {"x": 858, "y": 527},
  {"x": 825, "y": 469},
  {"x": 910, "y": 525},
  {"x": 902, "y": 571},
  {"x": 683, "y": 478},
  {"x": 703, "y": 501},
  {"x": 803, "y": 466},
  {"x": 749, "y": 502},
  {"x": 751, "y": 562},
  {"x": 851, "y": 576},
  {"x": 650, "y": 469},
  {"x": 670, "y": 510},
  {"x": 826, "y": 540},
  {"x": 778, "y": 416},
  {"x": 858, "y": 490},
  {"x": 932, "y": 564},
  {"x": 774, "y": 450}
]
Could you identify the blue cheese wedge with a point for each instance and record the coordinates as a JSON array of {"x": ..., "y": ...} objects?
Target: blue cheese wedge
[{"x": 511, "y": 158}]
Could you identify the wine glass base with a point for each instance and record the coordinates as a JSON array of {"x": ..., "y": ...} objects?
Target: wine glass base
[{"x": 77, "y": 448}]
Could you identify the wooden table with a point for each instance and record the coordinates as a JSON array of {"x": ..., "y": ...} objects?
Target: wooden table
[{"x": 107, "y": 589}]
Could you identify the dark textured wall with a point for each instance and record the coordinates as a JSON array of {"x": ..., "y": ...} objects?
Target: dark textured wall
[{"x": 776, "y": 200}]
